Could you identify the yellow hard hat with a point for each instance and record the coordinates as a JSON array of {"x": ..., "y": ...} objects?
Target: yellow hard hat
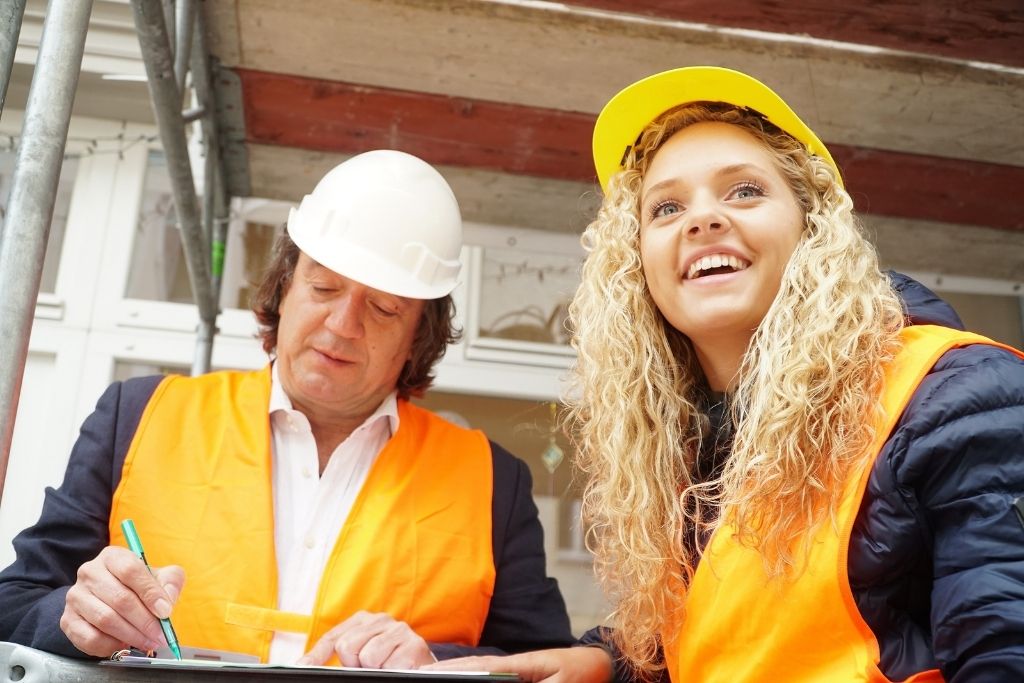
[{"x": 628, "y": 113}]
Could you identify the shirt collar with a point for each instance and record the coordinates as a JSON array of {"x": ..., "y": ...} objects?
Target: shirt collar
[{"x": 279, "y": 401}]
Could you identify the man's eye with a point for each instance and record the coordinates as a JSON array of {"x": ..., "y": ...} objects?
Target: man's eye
[{"x": 386, "y": 312}]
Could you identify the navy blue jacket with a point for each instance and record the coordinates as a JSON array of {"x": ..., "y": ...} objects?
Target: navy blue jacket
[
  {"x": 526, "y": 610},
  {"x": 936, "y": 559}
]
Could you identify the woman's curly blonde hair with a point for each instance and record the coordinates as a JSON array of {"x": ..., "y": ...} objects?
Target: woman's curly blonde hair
[{"x": 802, "y": 404}]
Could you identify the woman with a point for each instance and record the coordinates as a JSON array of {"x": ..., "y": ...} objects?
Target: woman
[{"x": 789, "y": 476}]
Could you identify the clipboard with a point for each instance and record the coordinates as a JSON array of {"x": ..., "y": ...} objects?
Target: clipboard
[{"x": 198, "y": 659}]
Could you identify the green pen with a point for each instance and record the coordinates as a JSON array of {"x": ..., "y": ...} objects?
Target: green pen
[{"x": 135, "y": 543}]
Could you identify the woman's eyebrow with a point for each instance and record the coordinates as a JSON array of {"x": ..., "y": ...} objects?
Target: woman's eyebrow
[
  {"x": 731, "y": 169},
  {"x": 738, "y": 168},
  {"x": 657, "y": 186}
]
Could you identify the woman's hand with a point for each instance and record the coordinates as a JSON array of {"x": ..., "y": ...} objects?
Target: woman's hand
[{"x": 567, "y": 665}]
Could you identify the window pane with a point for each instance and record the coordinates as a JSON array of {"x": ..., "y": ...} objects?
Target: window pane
[
  {"x": 61, "y": 205},
  {"x": 247, "y": 257},
  {"x": 158, "y": 269},
  {"x": 524, "y": 295},
  {"x": 124, "y": 370},
  {"x": 992, "y": 315},
  {"x": 527, "y": 429}
]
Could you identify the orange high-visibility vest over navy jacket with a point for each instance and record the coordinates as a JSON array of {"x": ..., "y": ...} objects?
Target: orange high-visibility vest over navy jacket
[
  {"x": 416, "y": 545},
  {"x": 444, "y": 518},
  {"x": 740, "y": 626}
]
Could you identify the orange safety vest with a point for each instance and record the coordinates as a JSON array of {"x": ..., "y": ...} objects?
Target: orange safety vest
[
  {"x": 416, "y": 544},
  {"x": 741, "y": 626}
]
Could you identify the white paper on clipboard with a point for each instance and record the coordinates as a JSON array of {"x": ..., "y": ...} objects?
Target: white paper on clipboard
[{"x": 199, "y": 659}]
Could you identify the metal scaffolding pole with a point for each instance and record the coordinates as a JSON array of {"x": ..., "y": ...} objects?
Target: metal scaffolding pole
[
  {"x": 215, "y": 203},
  {"x": 169, "y": 19},
  {"x": 33, "y": 190},
  {"x": 185, "y": 20},
  {"x": 11, "y": 14},
  {"x": 167, "y": 100}
]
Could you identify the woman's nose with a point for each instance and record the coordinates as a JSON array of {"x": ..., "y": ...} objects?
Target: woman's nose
[{"x": 705, "y": 217}]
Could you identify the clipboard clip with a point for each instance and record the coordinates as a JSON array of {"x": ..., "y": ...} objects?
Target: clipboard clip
[
  {"x": 194, "y": 653},
  {"x": 131, "y": 652}
]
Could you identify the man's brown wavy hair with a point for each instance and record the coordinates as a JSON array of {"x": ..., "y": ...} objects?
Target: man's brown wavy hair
[{"x": 434, "y": 334}]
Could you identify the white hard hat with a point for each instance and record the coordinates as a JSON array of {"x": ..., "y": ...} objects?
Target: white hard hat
[{"x": 387, "y": 220}]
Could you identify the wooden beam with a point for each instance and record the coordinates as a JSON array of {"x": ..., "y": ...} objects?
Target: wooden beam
[
  {"x": 486, "y": 197},
  {"x": 557, "y": 56},
  {"x": 343, "y": 117},
  {"x": 565, "y": 206},
  {"x": 931, "y": 188},
  {"x": 981, "y": 30}
]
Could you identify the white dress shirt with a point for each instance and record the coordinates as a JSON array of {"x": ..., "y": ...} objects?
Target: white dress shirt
[{"x": 310, "y": 510}]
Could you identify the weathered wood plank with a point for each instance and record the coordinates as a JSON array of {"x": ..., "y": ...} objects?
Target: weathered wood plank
[
  {"x": 342, "y": 117},
  {"x": 489, "y": 197},
  {"x": 554, "y": 56},
  {"x": 948, "y": 248},
  {"x": 982, "y": 30},
  {"x": 564, "y": 206},
  {"x": 932, "y": 188}
]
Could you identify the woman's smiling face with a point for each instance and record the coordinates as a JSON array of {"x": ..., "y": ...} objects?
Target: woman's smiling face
[{"x": 718, "y": 224}]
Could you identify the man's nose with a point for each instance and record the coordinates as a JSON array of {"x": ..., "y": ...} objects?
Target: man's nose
[{"x": 346, "y": 316}]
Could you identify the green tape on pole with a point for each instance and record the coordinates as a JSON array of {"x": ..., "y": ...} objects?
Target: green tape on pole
[{"x": 218, "y": 259}]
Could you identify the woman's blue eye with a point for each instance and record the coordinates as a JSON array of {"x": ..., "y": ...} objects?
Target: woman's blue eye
[
  {"x": 748, "y": 191},
  {"x": 665, "y": 209}
]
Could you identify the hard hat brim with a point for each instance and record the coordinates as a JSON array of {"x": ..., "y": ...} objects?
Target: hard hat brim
[
  {"x": 628, "y": 113},
  {"x": 367, "y": 268}
]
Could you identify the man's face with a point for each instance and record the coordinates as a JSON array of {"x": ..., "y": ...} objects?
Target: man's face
[{"x": 341, "y": 345}]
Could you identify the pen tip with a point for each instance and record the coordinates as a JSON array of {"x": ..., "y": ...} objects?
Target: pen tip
[{"x": 177, "y": 651}]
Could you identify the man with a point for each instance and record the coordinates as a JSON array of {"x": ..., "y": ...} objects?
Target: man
[{"x": 417, "y": 540}]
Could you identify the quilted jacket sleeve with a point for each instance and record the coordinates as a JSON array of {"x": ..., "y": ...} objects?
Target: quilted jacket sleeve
[
  {"x": 601, "y": 636},
  {"x": 959, "y": 459}
]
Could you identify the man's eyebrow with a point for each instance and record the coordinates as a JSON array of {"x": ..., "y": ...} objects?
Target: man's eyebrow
[
  {"x": 319, "y": 266},
  {"x": 317, "y": 269}
]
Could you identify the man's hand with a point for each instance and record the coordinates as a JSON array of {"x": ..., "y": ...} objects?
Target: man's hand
[
  {"x": 371, "y": 641},
  {"x": 567, "y": 665},
  {"x": 116, "y": 603}
]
